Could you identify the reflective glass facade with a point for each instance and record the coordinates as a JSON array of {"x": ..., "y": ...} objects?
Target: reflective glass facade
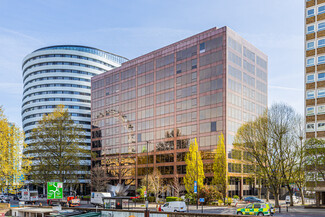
[{"x": 200, "y": 87}]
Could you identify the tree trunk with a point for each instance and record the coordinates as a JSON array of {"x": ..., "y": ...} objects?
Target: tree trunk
[
  {"x": 259, "y": 188},
  {"x": 302, "y": 197},
  {"x": 44, "y": 189},
  {"x": 276, "y": 198},
  {"x": 267, "y": 195},
  {"x": 291, "y": 194}
]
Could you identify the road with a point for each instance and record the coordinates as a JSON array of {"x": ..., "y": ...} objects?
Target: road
[{"x": 292, "y": 211}]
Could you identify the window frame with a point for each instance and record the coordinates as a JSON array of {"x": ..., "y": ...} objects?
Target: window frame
[
  {"x": 310, "y": 91},
  {"x": 318, "y": 12},
  {"x": 307, "y": 31},
  {"x": 310, "y": 81},
  {"x": 321, "y": 79},
  {"x": 321, "y": 59},
  {"x": 310, "y": 15},
  {"x": 311, "y": 48},
  {"x": 310, "y": 129},
  {"x": 312, "y": 108},
  {"x": 321, "y": 40},
  {"x": 320, "y": 95},
  {"x": 311, "y": 64},
  {"x": 319, "y": 29},
  {"x": 318, "y": 112},
  {"x": 322, "y": 128}
]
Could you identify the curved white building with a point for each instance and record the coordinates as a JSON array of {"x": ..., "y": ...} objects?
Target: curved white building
[{"x": 61, "y": 75}]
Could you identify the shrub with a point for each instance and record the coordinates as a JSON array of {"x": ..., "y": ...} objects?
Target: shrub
[
  {"x": 138, "y": 200},
  {"x": 141, "y": 191},
  {"x": 214, "y": 203},
  {"x": 191, "y": 198},
  {"x": 228, "y": 201},
  {"x": 236, "y": 197},
  {"x": 179, "y": 199},
  {"x": 220, "y": 202},
  {"x": 151, "y": 199},
  {"x": 209, "y": 193},
  {"x": 169, "y": 199}
]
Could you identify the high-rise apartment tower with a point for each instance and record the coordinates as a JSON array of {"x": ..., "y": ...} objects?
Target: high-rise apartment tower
[
  {"x": 315, "y": 80},
  {"x": 61, "y": 75}
]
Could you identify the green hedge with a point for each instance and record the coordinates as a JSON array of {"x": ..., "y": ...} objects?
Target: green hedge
[
  {"x": 151, "y": 199},
  {"x": 169, "y": 199}
]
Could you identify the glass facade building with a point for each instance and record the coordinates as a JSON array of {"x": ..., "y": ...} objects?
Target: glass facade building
[
  {"x": 199, "y": 87},
  {"x": 61, "y": 75}
]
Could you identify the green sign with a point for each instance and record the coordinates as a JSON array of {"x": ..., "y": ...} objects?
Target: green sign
[{"x": 54, "y": 190}]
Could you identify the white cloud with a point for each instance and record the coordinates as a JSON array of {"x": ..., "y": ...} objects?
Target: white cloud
[{"x": 285, "y": 88}]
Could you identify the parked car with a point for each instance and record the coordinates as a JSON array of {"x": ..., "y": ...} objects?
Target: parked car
[
  {"x": 174, "y": 206},
  {"x": 294, "y": 198},
  {"x": 253, "y": 200},
  {"x": 4, "y": 199},
  {"x": 259, "y": 209}
]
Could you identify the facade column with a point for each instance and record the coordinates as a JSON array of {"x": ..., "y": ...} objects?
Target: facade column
[
  {"x": 317, "y": 198},
  {"x": 241, "y": 189}
]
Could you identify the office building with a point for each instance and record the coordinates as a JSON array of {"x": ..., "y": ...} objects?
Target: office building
[
  {"x": 199, "y": 87},
  {"x": 61, "y": 75},
  {"x": 315, "y": 81}
]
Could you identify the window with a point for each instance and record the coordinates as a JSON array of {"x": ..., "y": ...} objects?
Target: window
[
  {"x": 310, "y": 111},
  {"x": 311, "y": 45},
  {"x": 310, "y": 127},
  {"x": 321, "y": 9},
  {"x": 310, "y": 12},
  {"x": 310, "y": 29},
  {"x": 321, "y": 59},
  {"x": 321, "y": 93},
  {"x": 310, "y": 78},
  {"x": 321, "y": 76},
  {"x": 310, "y": 94},
  {"x": 321, "y": 43},
  {"x": 321, "y": 126},
  {"x": 321, "y": 109},
  {"x": 213, "y": 126},
  {"x": 202, "y": 47},
  {"x": 311, "y": 61},
  {"x": 321, "y": 26}
]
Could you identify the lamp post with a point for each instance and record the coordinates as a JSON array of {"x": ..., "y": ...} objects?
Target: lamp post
[
  {"x": 197, "y": 178},
  {"x": 147, "y": 178}
]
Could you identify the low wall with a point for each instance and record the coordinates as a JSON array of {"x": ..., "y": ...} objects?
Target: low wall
[
  {"x": 4, "y": 205},
  {"x": 140, "y": 213}
]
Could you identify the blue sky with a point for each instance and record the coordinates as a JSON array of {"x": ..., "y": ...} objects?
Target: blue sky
[{"x": 134, "y": 27}]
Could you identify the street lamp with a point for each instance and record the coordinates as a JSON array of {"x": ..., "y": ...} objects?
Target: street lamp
[
  {"x": 197, "y": 178},
  {"x": 147, "y": 178}
]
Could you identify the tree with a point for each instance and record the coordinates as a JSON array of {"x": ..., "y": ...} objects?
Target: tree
[
  {"x": 301, "y": 168},
  {"x": 210, "y": 193},
  {"x": 59, "y": 147},
  {"x": 155, "y": 183},
  {"x": 175, "y": 186},
  {"x": 194, "y": 168},
  {"x": 316, "y": 158},
  {"x": 13, "y": 164},
  {"x": 220, "y": 167},
  {"x": 120, "y": 167},
  {"x": 272, "y": 141},
  {"x": 99, "y": 178}
]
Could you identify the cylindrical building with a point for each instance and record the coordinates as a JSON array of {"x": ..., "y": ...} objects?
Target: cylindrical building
[{"x": 61, "y": 75}]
